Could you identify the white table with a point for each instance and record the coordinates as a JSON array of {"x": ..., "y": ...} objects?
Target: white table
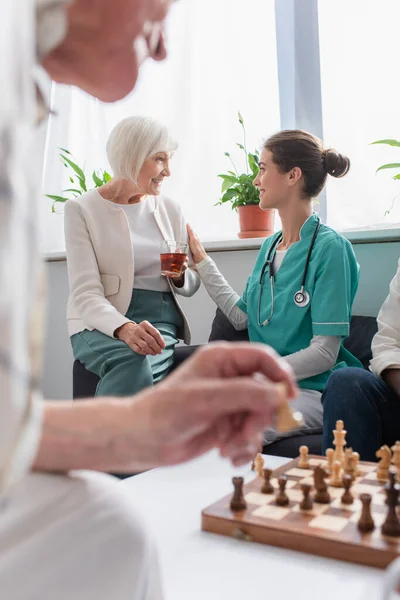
[{"x": 198, "y": 565}]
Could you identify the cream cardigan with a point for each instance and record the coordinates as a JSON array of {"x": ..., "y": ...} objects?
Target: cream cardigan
[{"x": 101, "y": 264}]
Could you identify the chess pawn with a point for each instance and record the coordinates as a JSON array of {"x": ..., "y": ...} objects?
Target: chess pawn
[
  {"x": 347, "y": 498},
  {"x": 282, "y": 498},
  {"x": 306, "y": 503},
  {"x": 330, "y": 454},
  {"x": 286, "y": 418},
  {"x": 366, "y": 523},
  {"x": 336, "y": 479},
  {"x": 339, "y": 441},
  {"x": 385, "y": 454},
  {"x": 396, "y": 459},
  {"x": 238, "y": 502},
  {"x": 303, "y": 460},
  {"x": 356, "y": 457},
  {"x": 267, "y": 487},
  {"x": 259, "y": 464},
  {"x": 349, "y": 463}
]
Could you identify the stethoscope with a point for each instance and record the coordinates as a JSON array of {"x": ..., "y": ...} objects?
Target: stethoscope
[{"x": 302, "y": 297}]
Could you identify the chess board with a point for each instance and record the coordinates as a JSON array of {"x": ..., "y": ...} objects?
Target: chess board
[{"x": 328, "y": 530}]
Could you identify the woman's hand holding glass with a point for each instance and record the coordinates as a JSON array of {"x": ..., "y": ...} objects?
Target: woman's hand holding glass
[
  {"x": 142, "y": 337},
  {"x": 196, "y": 247}
]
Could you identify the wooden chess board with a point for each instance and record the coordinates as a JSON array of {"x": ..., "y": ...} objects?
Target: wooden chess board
[{"x": 328, "y": 530}]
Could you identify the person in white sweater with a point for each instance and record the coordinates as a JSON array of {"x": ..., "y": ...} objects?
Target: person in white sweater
[
  {"x": 67, "y": 532},
  {"x": 299, "y": 296},
  {"x": 124, "y": 317},
  {"x": 369, "y": 401}
]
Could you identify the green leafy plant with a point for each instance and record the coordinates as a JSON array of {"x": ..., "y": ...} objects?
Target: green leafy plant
[
  {"x": 78, "y": 179},
  {"x": 238, "y": 188},
  {"x": 395, "y": 144}
]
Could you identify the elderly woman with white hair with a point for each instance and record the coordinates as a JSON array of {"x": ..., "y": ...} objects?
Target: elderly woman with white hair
[{"x": 124, "y": 318}]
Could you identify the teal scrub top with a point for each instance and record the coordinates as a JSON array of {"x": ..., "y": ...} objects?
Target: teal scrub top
[{"x": 332, "y": 282}]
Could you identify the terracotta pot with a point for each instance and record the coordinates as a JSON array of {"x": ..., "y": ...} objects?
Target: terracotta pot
[{"x": 255, "y": 222}]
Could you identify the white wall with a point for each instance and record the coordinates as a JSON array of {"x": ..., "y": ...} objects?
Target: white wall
[{"x": 378, "y": 263}]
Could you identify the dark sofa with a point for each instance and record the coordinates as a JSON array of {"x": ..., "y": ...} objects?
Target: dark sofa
[{"x": 362, "y": 330}]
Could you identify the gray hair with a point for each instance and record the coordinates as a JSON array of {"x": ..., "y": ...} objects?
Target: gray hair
[{"x": 132, "y": 141}]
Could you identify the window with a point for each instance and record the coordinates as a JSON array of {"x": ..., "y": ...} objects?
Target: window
[
  {"x": 222, "y": 58},
  {"x": 360, "y": 104}
]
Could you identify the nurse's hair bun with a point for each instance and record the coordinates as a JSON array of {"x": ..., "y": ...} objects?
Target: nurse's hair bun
[{"x": 335, "y": 164}]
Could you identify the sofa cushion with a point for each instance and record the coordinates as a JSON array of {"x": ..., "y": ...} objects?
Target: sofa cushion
[{"x": 362, "y": 330}]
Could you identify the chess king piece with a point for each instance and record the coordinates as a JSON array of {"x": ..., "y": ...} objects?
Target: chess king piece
[
  {"x": 336, "y": 479},
  {"x": 339, "y": 441},
  {"x": 330, "y": 455},
  {"x": 391, "y": 526},
  {"x": 322, "y": 495},
  {"x": 303, "y": 459},
  {"x": 347, "y": 498},
  {"x": 259, "y": 464},
  {"x": 349, "y": 468},
  {"x": 238, "y": 502},
  {"x": 282, "y": 498},
  {"x": 267, "y": 487},
  {"x": 384, "y": 453},
  {"x": 366, "y": 523},
  {"x": 306, "y": 503},
  {"x": 396, "y": 459}
]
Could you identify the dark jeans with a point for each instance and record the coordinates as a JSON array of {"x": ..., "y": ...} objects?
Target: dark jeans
[{"x": 368, "y": 407}]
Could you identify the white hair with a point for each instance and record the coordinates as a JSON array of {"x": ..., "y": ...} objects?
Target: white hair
[{"x": 132, "y": 141}]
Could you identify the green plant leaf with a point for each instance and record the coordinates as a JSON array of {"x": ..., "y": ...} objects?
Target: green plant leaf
[
  {"x": 56, "y": 198},
  {"x": 240, "y": 145},
  {"x": 75, "y": 191},
  {"x": 106, "y": 176},
  {"x": 233, "y": 178},
  {"x": 389, "y": 166},
  {"x": 397, "y": 176},
  {"x": 64, "y": 150},
  {"x": 240, "y": 118},
  {"x": 97, "y": 181},
  {"x": 388, "y": 142},
  {"x": 72, "y": 180},
  {"x": 227, "y": 154},
  {"x": 253, "y": 163},
  {"x": 231, "y": 193},
  {"x": 78, "y": 171}
]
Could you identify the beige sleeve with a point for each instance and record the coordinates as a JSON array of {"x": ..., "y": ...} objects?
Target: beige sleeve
[{"x": 86, "y": 288}]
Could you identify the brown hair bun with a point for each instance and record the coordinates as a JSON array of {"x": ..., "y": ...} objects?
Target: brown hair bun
[{"x": 336, "y": 164}]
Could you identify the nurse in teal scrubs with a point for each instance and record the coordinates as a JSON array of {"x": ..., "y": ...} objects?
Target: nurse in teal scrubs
[{"x": 299, "y": 297}]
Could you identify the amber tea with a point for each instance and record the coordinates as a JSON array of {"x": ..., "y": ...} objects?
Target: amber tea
[{"x": 173, "y": 256}]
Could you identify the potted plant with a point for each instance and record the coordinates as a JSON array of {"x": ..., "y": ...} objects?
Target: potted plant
[
  {"x": 78, "y": 179},
  {"x": 238, "y": 189},
  {"x": 396, "y": 144}
]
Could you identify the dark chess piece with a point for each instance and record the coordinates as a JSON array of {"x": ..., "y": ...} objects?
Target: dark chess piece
[
  {"x": 306, "y": 503},
  {"x": 391, "y": 526},
  {"x": 282, "y": 498},
  {"x": 366, "y": 523},
  {"x": 238, "y": 502},
  {"x": 347, "y": 498},
  {"x": 267, "y": 487},
  {"x": 322, "y": 495}
]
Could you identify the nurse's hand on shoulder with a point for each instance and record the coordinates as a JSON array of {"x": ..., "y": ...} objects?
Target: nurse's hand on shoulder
[
  {"x": 196, "y": 247},
  {"x": 142, "y": 337},
  {"x": 213, "y": 400}
]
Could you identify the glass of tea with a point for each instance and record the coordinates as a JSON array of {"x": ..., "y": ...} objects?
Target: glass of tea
[{"x": 173, "y": 255}]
